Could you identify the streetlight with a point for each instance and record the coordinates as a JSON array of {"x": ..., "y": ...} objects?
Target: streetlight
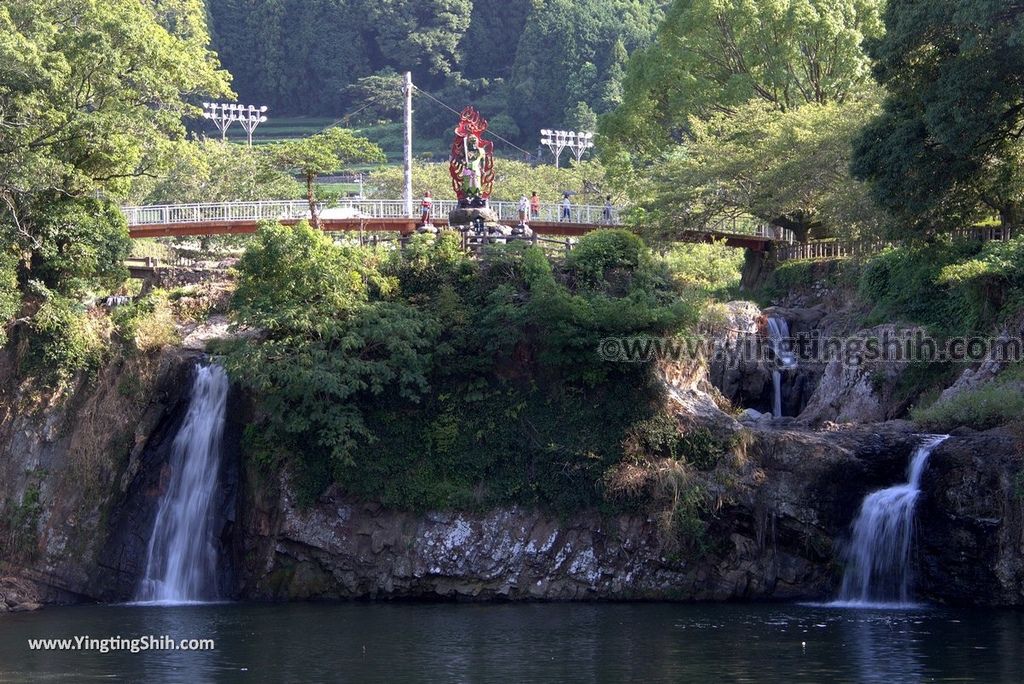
[
  {"x": 224, "y": 114},
  {"x": 580, "y": 143},
  {"x": 577, "y": 141}
]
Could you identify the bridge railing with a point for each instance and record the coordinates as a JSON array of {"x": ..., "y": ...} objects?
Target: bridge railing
[
  {"x": 838, "y": 249},
  {"x": 165, "y": 214}
]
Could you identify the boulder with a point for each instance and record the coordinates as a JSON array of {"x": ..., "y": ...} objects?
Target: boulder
[{"x": 470, "y": 215}]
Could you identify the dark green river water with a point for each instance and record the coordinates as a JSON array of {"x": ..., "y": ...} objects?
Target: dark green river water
[{"x": 369, "y": 642}]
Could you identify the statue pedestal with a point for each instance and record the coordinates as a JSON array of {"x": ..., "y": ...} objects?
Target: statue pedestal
[{"x": 473, "y": 218}]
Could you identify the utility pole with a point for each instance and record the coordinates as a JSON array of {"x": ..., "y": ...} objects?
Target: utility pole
[{"x": 407, "y": 192}]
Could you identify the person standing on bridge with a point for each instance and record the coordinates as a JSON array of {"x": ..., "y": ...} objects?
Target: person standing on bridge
[
  {"x": 426, "y": 208},
  {"x": 524, "y": 206},
  {"x": 566, "y": 208},
  {"x": 608, "y": 210},
  {"x": 534, "y": 205}
]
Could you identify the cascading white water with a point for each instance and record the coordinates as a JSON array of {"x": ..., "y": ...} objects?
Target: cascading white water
[
  {"x": 878, "y": 571},
  {"x": 778, "y": 331},
  {"x": 181, "y": 561}
]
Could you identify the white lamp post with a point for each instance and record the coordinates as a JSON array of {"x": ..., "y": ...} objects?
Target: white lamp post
[
  {"x": 224, "y": 114},
  {"x": 577, "y": 141}
]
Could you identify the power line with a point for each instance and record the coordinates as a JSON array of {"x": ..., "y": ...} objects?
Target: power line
[
  {"x": 455, "y": 111},
  {"x": 369, "y": 102}
]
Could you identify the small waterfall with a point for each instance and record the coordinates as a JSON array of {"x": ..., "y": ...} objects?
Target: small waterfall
[
  {"x": 181, "y": 561},
  {"x": 879, "y": 564},
  {"x": 778, "y": 331}
]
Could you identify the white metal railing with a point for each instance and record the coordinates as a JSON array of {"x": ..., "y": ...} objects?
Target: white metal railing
[
  {"x": 351, "y": 208},
  {"x": 165, "y": 214}
]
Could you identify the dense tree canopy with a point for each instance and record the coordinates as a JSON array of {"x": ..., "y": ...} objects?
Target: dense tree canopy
[
  {"x": 92, "y": 95},
  {"x": 788, "y": 169},
  {"x": 90, "y": 91},
  {"x": 714, "y": 55},
  {"x": 526, "y": 63},
  {"x": 948, "y": 141}
]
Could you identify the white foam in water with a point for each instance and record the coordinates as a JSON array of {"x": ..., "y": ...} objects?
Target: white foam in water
[
  {"x": 878, "y": 573},
  {"x": 181, "y": 560}
]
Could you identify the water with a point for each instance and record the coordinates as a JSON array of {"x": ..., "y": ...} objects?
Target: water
[
  {"x": 878, "y": 571},
  {"x": 650, "y": 642},
  {"x": 778, "y": 331},
  {"x": 181, "y": 560}
]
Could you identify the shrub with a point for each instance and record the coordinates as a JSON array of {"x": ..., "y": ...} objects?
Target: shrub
[
  {"x": 714, "y": 269},
  {"x": 10, "y": 296},
  {"x": 904, "y": 284},
  {"x": 602, "y": 251},
  {"x": 520, "y": 409},
  {"x": 62, "y": 340},
  {"x": 148, "y": 323},
  {"x": 991, "y": 405}
]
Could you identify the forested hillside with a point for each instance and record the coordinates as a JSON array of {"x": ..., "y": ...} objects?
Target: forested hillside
[{"x": 527, "y": 64}]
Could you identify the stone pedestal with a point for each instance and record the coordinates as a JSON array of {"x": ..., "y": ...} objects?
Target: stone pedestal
[{"x": 472, "y": 217}]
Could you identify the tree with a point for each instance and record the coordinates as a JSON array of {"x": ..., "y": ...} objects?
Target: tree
[
  {"x": 711, "y": 56},
  {"x": 788, "y": 169},
  {"x": 948, "y": 141},
  {"x": 329, "y": 150},
  {"x": 210, "y": 170},
  {"x": 89, "y": 92},
  {"x": 567, "y": 54},
  {"x": 328, "y": 345},
  {"x": 512, "y": 179}
]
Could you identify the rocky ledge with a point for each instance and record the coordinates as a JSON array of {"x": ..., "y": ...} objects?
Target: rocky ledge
[{"x": 777, "y": 532}]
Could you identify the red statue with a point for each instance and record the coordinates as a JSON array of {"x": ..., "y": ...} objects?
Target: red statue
[{"x": 472, "y": 160}]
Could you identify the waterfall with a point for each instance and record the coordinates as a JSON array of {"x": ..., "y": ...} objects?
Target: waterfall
[
  {"x": 181, "y": 560},
  {"x": 878, "y": 571},
  {"x": 778, "y": 332}
]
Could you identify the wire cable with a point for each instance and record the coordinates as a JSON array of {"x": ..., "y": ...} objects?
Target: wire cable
[{"x": 455, "y": 111}]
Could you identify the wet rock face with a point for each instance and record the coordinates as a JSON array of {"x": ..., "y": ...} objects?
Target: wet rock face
[
  {"x": 346, "y": 550},
  {"x": 770, "y": 539},
  {"x": 970, "y": 536},
  {"x": 93, "y": 464}
]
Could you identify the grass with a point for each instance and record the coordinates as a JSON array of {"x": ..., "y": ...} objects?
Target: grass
[{"x": 991, "y": 405}]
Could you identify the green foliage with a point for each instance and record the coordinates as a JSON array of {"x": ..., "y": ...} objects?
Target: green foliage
[
  {"x": 713, "y": 56},
  {"x": 20, "y": 522},
  {"x": 525, "y": 64},
  {"x": 92, "y": 92},
  {"x": 572, "y": 52},
  {"x": 212, "y": 171},
  {"x": 297, "y": 280},
  {"x": 991, "y": 405},
  {"x": 79, "y": 243},
  {"x": 468, "y": 384},
  {"x": 794, "y": 276},
  {"x": 329, "y": 150},
  {"x": 712, "y": 269},
  {"x": 600, "y": 255},
  {"x": 146, "y": 324},
  {"x": 72, "y": 121},
  {"x": 511, "y": 180},
  {"x": 62, "y": 341},
  {"x": 904, "y": 284},
  {"x": 10, "y": 295},
  {"x": 787, "y": 169},
  {"x": 947, "y": 144}
]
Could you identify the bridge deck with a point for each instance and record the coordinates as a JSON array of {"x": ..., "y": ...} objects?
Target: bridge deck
[{"x": 225, "y": 218}]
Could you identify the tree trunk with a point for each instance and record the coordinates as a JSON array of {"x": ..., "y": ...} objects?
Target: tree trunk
[
  {"x": 1010, "y": 215},
  {"x": 314, "y": 215}
]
